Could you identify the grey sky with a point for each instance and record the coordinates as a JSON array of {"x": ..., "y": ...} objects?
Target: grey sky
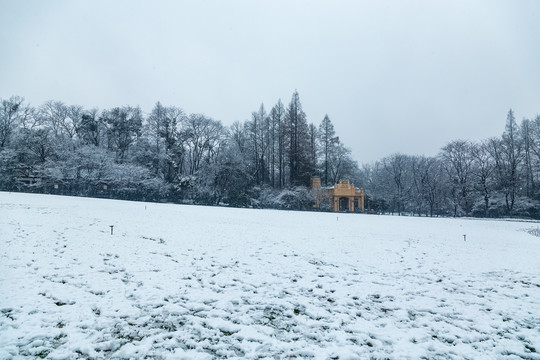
[{"x": 394, "y": 76}]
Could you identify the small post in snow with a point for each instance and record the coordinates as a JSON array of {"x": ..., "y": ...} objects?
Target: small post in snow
[
  {"x": 112, "y": 227},
  {"x": 464, "y": 237}
]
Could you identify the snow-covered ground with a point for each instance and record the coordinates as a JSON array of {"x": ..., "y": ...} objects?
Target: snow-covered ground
[{"x": 205, "y": 282}]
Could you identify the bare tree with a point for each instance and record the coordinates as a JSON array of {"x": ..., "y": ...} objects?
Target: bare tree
[
  {"x": 457, "y": 156},
  {"x": 508, "y": 155},
  {"x": 433, "y": 183},
  {"x": 12, "y": 113},
  {"x": 260, "y": 141},
  {"x": 300, "y": 167},
  {"x": 328, "y": 140},
  {"x": 535, "y": 155},
  {"x": 72, "y": 121},
  {"x": 313, "y": 148},
  {"x": 482, "y": 171},
  {"x": 203, "y": 138},
  {"x": 527, "y": 169},
  {"x": 342, "y": 166},
  {"x": 279, "y": 127},
  {"x": 55, "y": 115},
  {"x": 397, "y": 168},
  {"x": 419, "y": 169}
]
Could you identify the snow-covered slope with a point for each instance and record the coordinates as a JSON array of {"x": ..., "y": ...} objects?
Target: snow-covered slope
[{"x": 204, "y": 282}]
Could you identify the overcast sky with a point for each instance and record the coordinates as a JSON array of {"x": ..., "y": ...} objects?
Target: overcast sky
[{"x": 394, "y": 76}]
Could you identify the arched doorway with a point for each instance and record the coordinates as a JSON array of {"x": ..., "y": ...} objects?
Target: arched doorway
[{"x": 343, "y": 204}]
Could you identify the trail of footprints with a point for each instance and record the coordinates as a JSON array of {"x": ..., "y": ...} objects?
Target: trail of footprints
[{"x": 223, "y": 307}]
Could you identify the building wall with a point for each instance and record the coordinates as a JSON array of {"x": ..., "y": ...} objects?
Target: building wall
[{"x": 342, "y": 190}]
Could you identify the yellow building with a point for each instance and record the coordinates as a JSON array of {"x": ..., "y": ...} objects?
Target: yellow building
[{"x": 343, "y": 196}]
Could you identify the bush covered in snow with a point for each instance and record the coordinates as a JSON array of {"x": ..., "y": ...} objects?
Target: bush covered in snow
[{"x": 298, "y": 198}]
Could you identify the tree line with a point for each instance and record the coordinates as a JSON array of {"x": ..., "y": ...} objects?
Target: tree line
[
  {"x": 265, "y": 161},
  {"x": 168, "y": 155},
  {"x": 497, "y": 177}
]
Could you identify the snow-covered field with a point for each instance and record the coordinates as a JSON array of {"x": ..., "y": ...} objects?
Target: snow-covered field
[{"x": 204, "y": 282}]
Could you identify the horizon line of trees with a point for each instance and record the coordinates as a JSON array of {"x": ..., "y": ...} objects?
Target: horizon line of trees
[
  {"x": 266, "y": 161},
  {"x": 168, "y": 155},
  {"x": 497, "y": 177}
]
